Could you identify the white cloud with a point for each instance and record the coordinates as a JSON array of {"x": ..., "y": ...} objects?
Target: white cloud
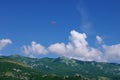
[
  {"x": 85, "y": 24},
  {"x": 4, "y": 42},
  {"x": 78, "y": 39},
  {"x": 58, "y": 48},
  {"x": 34, "y": 48},
  {"x": 112, "y": 52},
  {"x": 77, "y": 48},
  {"x": 99, "y": 39}
]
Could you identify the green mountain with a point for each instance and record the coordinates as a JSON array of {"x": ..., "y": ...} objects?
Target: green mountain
[
  {"x": 11, "y": 69},
  {"x": 64, "y": 68}
]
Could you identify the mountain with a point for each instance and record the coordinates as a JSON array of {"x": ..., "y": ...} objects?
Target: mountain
[
  {"x": 11, "y": 69},
  {"x": 66, "y": 67}
]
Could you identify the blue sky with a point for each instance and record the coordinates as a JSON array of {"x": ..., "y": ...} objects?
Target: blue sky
[{"x": 47, "y": 22}]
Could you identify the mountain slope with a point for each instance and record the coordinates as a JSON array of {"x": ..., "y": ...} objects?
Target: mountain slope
[
  {"x": 63, "y": 66},
  {"x": 13, "y": 70}
]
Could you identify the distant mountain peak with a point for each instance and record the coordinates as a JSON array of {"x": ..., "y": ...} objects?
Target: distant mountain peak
[{"x": 67, "y": 60}]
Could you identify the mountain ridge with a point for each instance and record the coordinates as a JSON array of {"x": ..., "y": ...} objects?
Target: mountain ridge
[
  {"x": 62, "y": 57},
  {"x": 63, "y": 66},
  {"x": 11, "y": 70}
]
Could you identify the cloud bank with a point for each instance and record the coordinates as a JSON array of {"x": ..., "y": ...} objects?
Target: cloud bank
[
  {"x": 34, "y": 48},
  {"x": 112, "y": 52},
  {"x": 78, "y": 48},
  {"x": 4, "y": 43}
]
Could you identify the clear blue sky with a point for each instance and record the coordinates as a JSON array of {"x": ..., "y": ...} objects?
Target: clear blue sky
[{"x": 50, "y": 21}]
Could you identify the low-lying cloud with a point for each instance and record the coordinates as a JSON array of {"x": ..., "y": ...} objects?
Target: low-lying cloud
[
  {"x": 34, "y": 48},
  {"x": 112, "y": 52},
  {"x": 78, "y": 48}
]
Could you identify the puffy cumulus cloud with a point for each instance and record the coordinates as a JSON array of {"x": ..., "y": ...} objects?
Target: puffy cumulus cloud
[
  {"x": 77, "y": 48},
  {"x": 58, "y": 48},
  {"x": 112, "y": 52},
  {"x": 99, "y": 39},
  {"x": 34, "y": 48},
  {"x": 78, "y": 39},
  {"x": 4, "y": 42}
]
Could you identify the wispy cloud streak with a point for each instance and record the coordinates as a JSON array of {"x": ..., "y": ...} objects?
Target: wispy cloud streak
[{"x": 85, "y": 24}]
